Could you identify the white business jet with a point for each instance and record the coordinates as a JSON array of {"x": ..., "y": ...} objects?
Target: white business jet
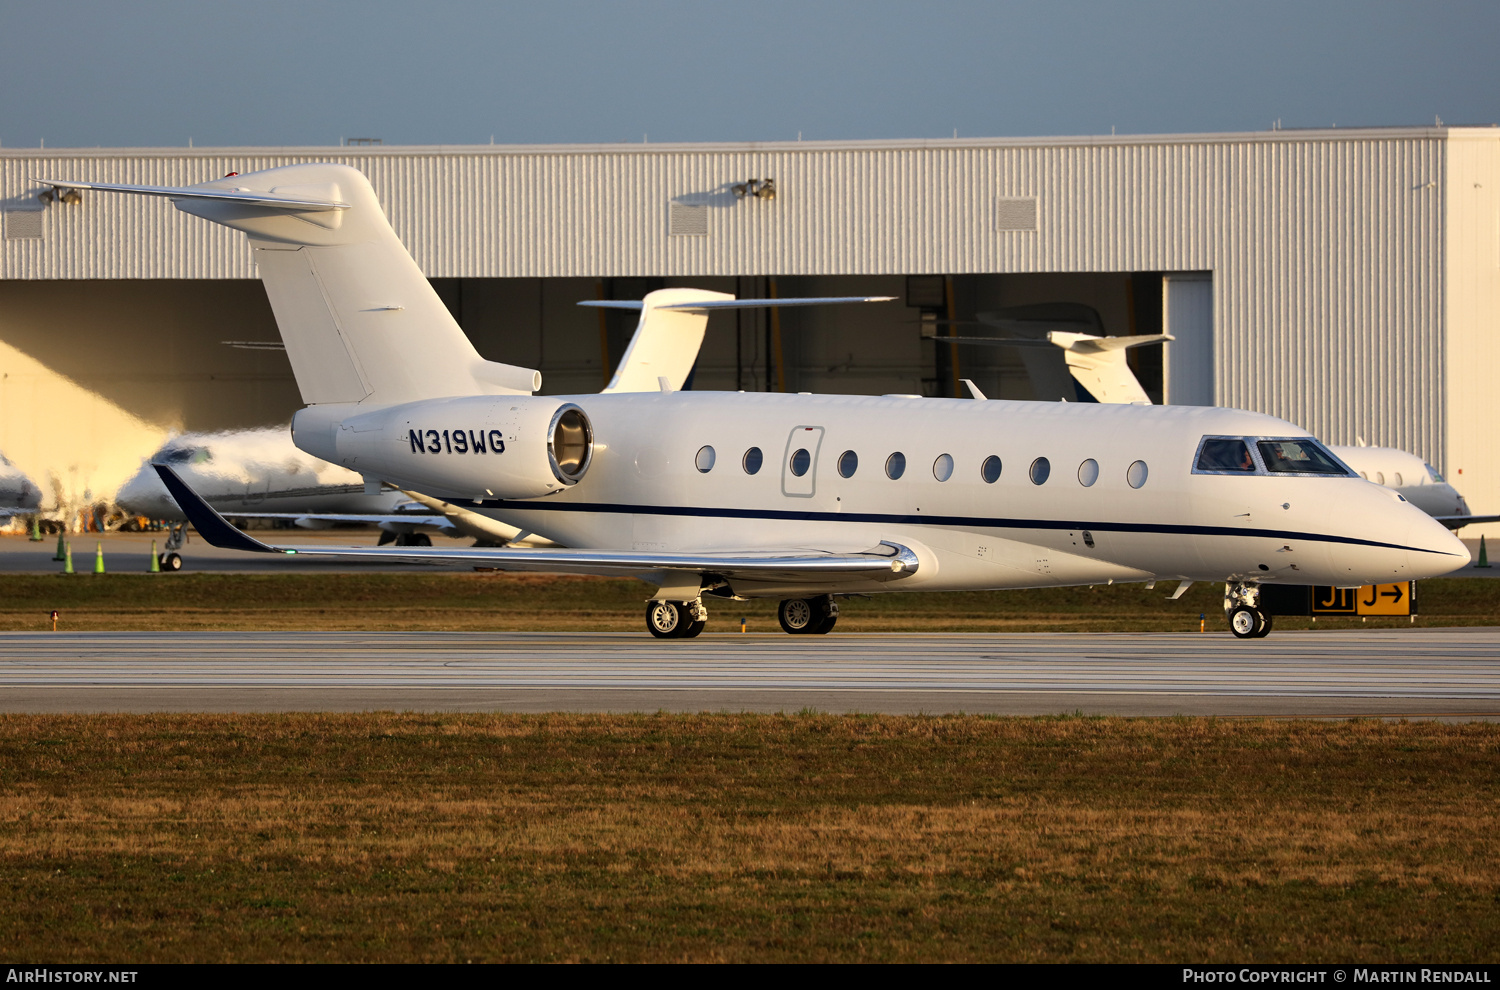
[
  {"x": 1097, "y": 365},
  {"x": 800, "y": 498},
  {"x": 260, "y": 474}
]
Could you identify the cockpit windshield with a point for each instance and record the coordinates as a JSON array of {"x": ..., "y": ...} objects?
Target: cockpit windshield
[
  {"x": 1262, "y": 456},
  {"x": 1225, "y": 454},
  {"x": 186, "y": 455},
  {"x": 1298, "y": 457},
  {"x": 1432, "y": 472}
]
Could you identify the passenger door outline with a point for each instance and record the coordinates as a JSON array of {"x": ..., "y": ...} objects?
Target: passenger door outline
[{"x": 809, "y": 438}]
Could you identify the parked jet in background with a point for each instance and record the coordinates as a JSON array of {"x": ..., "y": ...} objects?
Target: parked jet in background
[
  {"x": 260, "y": 474},
  {"x": 793, "y": 497}
]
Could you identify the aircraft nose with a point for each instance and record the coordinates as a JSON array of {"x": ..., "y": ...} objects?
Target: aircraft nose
[
  {"x": 144, "y": 494},
  {"x": 1433, "y": 549}
]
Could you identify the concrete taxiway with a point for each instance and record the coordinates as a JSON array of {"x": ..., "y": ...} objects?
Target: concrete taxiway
[{"x": 1446, "y": 673}]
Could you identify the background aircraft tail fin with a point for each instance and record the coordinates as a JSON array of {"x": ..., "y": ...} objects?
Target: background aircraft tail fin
[
  {"x": 670, "y": 332},
  {"x": 359, "y": 319}
]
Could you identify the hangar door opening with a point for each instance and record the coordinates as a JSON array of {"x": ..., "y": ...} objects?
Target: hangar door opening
[{"x": 1188, "y": 315}]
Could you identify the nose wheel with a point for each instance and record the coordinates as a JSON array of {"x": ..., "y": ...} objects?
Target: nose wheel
[{"x": 1249, "y": 623}]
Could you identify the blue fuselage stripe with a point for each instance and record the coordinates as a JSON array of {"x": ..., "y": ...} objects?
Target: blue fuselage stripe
[{"x": 919, "y": 519}]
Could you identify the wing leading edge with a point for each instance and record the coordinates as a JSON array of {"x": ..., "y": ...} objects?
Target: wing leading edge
[{"x": 884, "y": 562}]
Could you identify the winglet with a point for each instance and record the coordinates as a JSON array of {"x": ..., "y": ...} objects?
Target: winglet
[{"x": 205, "y": 518}]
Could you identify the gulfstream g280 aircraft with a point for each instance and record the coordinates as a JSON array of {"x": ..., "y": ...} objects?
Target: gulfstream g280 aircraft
[{"x": 800, "y": 498}]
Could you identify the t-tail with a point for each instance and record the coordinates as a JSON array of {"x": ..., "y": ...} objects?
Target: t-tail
[{"x": 360, "y": 321}]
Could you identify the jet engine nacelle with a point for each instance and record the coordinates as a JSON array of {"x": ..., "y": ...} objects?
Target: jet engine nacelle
[{"x": 475, "y": 447}]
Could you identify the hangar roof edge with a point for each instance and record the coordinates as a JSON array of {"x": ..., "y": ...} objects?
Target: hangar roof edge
[{"x": 1491, "y": 132}]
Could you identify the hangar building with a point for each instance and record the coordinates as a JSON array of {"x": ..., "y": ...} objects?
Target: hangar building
[{"x": 1345, "y": 279}]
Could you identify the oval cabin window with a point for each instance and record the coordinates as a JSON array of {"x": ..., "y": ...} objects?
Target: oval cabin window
[
  {"x": 848, "y": 464},
  {"x": 801, "y": 461},
  {"x": 990, "y": 470},
  {"x": 1136, "y": 474},
  {"x": 895, "y": 466},
  {"x": 753, "y": 460},
  {"x": 1088, "y": 472},
  {"x": 942, "y": 468},
  {"x": 705, "y": 459},
  {"x": 1041, "y": 469}
]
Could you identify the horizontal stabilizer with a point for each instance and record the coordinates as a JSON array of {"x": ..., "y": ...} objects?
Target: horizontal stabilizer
[
  {"x": 1455, "y": 522},
  {"x": 270, "y": 199},
  {"x": 886, "y": 561},
  {"x": 712, "y": 304}
]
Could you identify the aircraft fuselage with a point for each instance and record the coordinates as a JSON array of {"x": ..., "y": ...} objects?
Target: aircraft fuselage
[{"x": 1032, "y": 525}]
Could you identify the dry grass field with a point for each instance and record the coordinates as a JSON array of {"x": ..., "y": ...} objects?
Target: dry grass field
[
  {"x": 742, "y": 837},
  {"x": 517, "y": 602}
]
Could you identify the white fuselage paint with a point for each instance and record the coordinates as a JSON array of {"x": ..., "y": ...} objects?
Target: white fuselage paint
[{"x": 643, "y": 490}]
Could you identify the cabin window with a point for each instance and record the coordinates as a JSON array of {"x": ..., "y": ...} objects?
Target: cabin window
[
  {"x": 1379, "y": 477},
  {"x": 1397, "y": 479},
  {"x": 705, "y": 459},
  {"x": 942, "y": 468},
  {"x": 1088, "y": 472},
  {"x": 990, "y": 470},
  {"x": 1225, "y": 454},
  {"x": 1135, "y": 475},
  {"x": 1300, "y": 457},
  {"x": 848, "y": 464},
  {"x": 895, "y": 465},
  {"x": 801, "y": 461},
  {"x": 753, "y": 460},
  {"x": 1041, "y": 468}
]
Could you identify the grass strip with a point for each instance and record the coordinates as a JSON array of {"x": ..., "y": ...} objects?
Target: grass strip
[
  {"x": 517, "y": 602},
  {"x": 384, "y": 837}
]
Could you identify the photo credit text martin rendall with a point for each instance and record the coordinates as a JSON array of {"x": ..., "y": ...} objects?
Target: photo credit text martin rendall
[{"x": 1336, "y": 974}]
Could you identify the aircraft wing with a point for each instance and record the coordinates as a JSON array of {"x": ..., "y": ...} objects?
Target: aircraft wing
[
  {"x": 886, "y": 561},
  {"x": 1455, "y": 522}
]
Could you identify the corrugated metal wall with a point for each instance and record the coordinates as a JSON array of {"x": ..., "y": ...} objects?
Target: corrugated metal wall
[{"x": 1327, "y": 248}]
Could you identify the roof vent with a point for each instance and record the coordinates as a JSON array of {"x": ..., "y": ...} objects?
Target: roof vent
[{"x": 1015, "y": 213}]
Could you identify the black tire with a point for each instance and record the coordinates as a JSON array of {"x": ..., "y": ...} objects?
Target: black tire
[
  {"x": 170, "y": 562},
  {"x": 692, "y": 629},
  {"x": 666, "y": 620},
  {"x": 419, "y": 540},
  {"x": 386, "y": 536},
  {"x": 1246, "y": 623},
  {"x": 1265, "y": 625},
  {"x": 826, "y": 626},
  {"x": 797, "y": 616}
]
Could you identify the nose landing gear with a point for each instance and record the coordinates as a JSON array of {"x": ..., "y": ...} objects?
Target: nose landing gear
[{"x": 1242, "y": 607}]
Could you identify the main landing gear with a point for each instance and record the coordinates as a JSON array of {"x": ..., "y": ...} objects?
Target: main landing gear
[
  {"x": 1242, "y": 606},
  {"x": 676, "y": 620},
  {"x": 669, "y": 619},
  {"x": 808, "y": 616}
]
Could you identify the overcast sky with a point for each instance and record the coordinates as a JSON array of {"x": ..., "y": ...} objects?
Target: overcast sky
[{"x": 307, "y": 73}]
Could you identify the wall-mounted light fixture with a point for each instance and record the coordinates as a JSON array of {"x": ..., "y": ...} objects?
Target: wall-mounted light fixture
[
  {"x": 759, "y": 188},
  {"x": 60, "y": 194}
]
